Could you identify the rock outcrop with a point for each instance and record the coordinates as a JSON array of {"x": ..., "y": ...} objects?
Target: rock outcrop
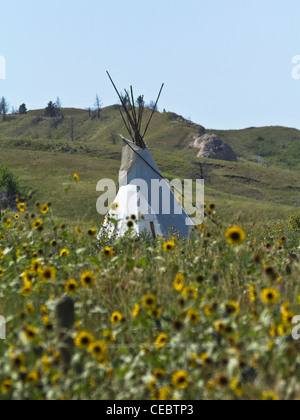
[{"x": 212, "y": 147}]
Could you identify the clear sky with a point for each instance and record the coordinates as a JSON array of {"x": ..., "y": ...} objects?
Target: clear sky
[{"x": 225, "y": 63}]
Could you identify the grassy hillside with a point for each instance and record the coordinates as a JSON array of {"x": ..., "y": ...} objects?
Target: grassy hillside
[{"x": 265, "y": 180}]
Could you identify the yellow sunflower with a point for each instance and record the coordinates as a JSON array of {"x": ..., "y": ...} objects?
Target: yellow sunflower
[
  {"x": 161, "y": 341},
  {"x": 270, "y": 296},
  {"x": 46, "y": 274},
  {"x": 108, "y": 252},
  {"x": 30, "y": 333},
  {"x": 270, "y": 396},
  {"x": 149, "y": 301},
  {"x": 44, "y": 208},
  {"x": 26, "y": 290},
  {"x": 6, "y": 386},
  {"x": 193, "y": 316},
  {"x": 76, "y": 178},
  {"x": 108, "y": 336},
  {"x": 232, "y": 308},
  {"x": 87, "y": 279},
  {"x": 235, "y": 235},
  {"x": 136, "y": 310},
  {"x": 71, "y": 287},
  {"x": 65, "y": 253},
  {"x": 116, "y": 318},
  {"x": 97, "y": 349},
  {"x": 180, "y": 380},
  {"x": 179, "y": 282},
  {"x": 168, "y": 246},
  {"x": 83, "y": 340}
]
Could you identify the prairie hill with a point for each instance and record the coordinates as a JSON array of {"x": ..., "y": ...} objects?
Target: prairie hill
[{"x": 264, "y": 181}]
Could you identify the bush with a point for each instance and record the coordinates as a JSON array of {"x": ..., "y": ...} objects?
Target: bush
[{"x": 9, "y": 188}]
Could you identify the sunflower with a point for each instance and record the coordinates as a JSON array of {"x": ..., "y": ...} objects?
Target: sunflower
[
  {"x": 287, "y": 318},
  {"x": 149, "y": 301},
  {"x": 1, "y": 254},
  {"x": 108, "y": 336},
  {"x": 222, "y": 380},
  {"x": 180, "y": 380},
  {"x": 71, "y": 287},
  {"x": 155, "y": 313},
  {"x": 1, "y": 271},
  {"x": 270, "y": 272},
  {"x": 30, "y": 333},
  {"x": 193, "y": 316},
  {"x": 168, "y": 246},
  {"x": 190, "y": 292},
  {"x": 130, "y": 224},
  {"x": 35, "y": 267},
  {"x": 92, "y": 232},
  {"x": 21, "y": 207},
  {"x": 270, "y": 296},
  {"x": 26, "y": 290},
  {"x": 18, "y": 361},
  {"x": 179, "y": 282},
  {"x": 236, "y": 386},
  {"x": 46, "y": 274},
  {"x": 83, "y": 340},
  {"x": 161, "y": 341},
  {"x": 44, "y": 208},
  {"x": 114, "y": 206},
  {"x": 232, "y": 308},
  {"x": 33, "y": 377},
  {"x": 17, "y": 217},
  {"x": 206, "y": 359},
  {"x": 270, "y": 396},
  {"x": 76, "y": 178},
  {"x": 29, "y": 310},
  {"x": 108, "y": 252},
  {"x": 220, "y": 327},
  {"x": 87, "y": 279},
  {"x": 235, "y": 235},
  {"x": 97, "y": 349},
  {"x": 136, "y": 310},
  {"x": 252, "y": 293},
  {"x": 116, "y": 318},
  {"x": 38, "y": 225},
  {"x": 6, "y": 386},
  {"x": 65, "y": 253},
  {"x": 159, "y": 374}
]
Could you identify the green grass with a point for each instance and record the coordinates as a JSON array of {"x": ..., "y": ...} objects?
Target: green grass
[{"x": 41, "y": 154}]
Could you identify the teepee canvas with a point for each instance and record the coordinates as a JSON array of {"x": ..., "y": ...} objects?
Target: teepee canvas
[{"x": 145, "y": 201}]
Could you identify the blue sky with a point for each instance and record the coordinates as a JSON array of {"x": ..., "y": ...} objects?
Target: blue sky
[{"x": 225, "y": 64}]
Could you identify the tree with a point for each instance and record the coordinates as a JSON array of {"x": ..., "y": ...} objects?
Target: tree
[
  {"x": 58, "y": 104},
  {"x": 51, "y": 110},
  {"x": 98, "y": 106},
  {"x": 22, "y": 109},
  {"x": 4, "y": 108}
]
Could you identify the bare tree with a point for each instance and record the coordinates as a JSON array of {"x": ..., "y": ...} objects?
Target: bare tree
[
  {"x": 4, "y": 108},
  {"x": 58, "y": 105},
  {"x": 72, "y": 128},
  {"x": 98, "y": 106}
]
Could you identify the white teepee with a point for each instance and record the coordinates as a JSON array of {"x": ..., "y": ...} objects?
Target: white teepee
[{"x": 145, "y": 202}]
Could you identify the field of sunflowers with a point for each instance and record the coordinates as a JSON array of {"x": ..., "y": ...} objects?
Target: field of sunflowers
[{"x": 206, "y": 319}]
